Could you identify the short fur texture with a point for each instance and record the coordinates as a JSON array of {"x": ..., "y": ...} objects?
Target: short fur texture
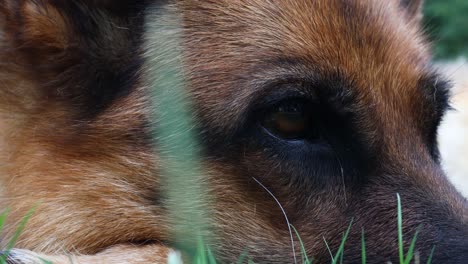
[{"x": 76, "y": 128}]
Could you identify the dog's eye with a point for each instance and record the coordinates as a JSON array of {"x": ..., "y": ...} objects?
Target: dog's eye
[{"x": 288, "y": 120}]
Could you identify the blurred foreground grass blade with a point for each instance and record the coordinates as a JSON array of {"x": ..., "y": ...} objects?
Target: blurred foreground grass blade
[
  {"x": 20, "y": 228},
  {"x": 3, "y": 217},
  {"x": 242, "y": 257},
  {"x": 182, "y": 182},
  {"x": 211, "y": 258},
  {"x": 2, "y": 223},
  {"x": 44, "y": 261},
  {"x": 18, "y": 231},
  {"x": 200, "y": 257}
]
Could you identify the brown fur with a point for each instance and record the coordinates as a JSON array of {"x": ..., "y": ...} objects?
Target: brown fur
[{"x": 76, "y": 137}]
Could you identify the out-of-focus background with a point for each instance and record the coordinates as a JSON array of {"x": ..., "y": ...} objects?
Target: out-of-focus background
[{"x": 446, "y": 24}]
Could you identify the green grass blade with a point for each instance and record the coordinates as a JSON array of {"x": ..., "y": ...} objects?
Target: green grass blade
[
  {"x": 211, "y": 258},
  {"x": 17, "y": 233},
  {"x": 44, "y": 261},
  {"x": 20, "y": 229},
  {"x": 429, "y": 260},
  {"x": 363, "y": 247},
  {"x": 400, "y": 230},
  {"x": 305, "y": 258},
  {"x": 3, "y": 217},
  {"x": 340, "y": 252},
  {"x": 242, "y": 257},
  {"x": 410, "y": 254},
  {"x": 183, "y": 182},
  {"x": 201, "y": 252}
]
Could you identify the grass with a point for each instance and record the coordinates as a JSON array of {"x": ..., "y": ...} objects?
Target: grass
[
  {"x": 305, "y": 258},
  {"x": 205, "y": 256},
  {"x": 404, "y": 259},
  {"x": 363, "y": 247}
]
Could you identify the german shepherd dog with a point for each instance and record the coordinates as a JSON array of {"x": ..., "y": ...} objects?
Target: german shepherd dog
[{"x": 331, "y": 105}]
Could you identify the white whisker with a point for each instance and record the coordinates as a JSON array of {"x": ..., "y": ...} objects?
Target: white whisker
[
  {"x": 285, "y": 217},
  {"x": 342, "y": 175}
]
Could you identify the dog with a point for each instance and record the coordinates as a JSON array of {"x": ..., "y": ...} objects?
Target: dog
[{"x": 311, "y": 114}]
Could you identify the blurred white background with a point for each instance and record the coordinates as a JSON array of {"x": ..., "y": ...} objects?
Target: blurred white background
[
  {"x": 446, "y": 25},
  {"x": 453, "y": 133}
]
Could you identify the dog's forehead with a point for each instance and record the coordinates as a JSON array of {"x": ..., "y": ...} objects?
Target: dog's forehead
[{"x": 232, "y": 44}]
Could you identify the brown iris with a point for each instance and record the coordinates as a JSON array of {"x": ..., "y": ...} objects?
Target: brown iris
[{"x": 288, "y": 120}]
